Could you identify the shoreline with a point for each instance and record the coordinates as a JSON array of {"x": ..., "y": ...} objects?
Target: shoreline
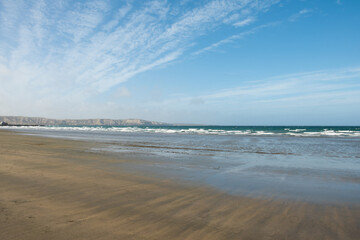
[{"x": 57, "y": 189}]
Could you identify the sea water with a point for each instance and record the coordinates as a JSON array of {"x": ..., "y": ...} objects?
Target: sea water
[{"x": 320, "y": 164}]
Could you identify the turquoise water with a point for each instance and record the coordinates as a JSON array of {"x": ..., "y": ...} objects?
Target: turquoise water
[
  {"x": 299, "y": 131},
  {"x": 319, "y": 164}
]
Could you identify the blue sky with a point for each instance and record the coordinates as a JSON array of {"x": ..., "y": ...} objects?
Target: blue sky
[{"x": 244, "y": 62}]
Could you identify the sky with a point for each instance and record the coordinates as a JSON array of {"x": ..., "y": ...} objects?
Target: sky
[{"x": 229, "y": 62}]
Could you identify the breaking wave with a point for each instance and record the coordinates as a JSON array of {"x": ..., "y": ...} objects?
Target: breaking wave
[{"x": 209, "y": 130}]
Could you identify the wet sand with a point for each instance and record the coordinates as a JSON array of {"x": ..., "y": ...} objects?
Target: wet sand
[{"x": 58, "y": 189}]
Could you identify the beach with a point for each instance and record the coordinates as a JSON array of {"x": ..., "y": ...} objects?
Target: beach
[{"x": 60, "y": 189}]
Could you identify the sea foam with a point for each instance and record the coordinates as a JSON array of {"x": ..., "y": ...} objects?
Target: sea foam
[{"x": 252, "y": 131}]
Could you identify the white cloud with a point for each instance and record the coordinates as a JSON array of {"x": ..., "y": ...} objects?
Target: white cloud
[
  {"x": 269, "y": 100},
  {"x": 55, "y": 53},
  {"x": 299, "y": 86},
  {"x": 234, "y": 37},
  {"x": 301, "y": 13},
  {"x": 244, "y": 22},
  {"x": 317, "y": 97}
]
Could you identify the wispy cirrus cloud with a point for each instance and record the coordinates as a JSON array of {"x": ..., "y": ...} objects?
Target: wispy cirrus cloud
[
  {"x": 244, "y": 22},
  {"x": 234, "y": 37},
  {"x": 301, "y": 13},
  {"x": 68, "y": 51},
  {"x": 317, "y": 96},
  {"x": 307, "y": 85}
]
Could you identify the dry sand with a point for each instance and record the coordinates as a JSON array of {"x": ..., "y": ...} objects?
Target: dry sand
[{"x": 56, "y": 189}]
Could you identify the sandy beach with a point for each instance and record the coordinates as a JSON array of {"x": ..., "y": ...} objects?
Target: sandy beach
[{"x": 58, "y": 189}]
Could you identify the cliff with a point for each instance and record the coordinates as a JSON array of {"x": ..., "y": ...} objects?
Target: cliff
[{"x": 17, "y": 120}]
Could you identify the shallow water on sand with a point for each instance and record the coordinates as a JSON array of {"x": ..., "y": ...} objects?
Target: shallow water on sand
[{"x": 319, "y": 169}]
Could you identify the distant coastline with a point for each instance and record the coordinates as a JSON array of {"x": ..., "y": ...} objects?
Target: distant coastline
[{"x": 38, "y": 121}]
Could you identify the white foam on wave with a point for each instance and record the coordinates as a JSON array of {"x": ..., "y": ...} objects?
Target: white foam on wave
[
  {"x": 200, "y": 131},
  {"x": 297, "y": 130}
]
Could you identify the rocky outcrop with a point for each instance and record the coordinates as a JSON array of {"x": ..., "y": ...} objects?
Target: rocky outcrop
[
  {"x": 17, "y": 120},
  {"x": 3, "y": 123}
]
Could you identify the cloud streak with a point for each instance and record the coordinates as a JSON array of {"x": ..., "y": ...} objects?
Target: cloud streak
[
  {"x": 307, "y": 89},
  {"x": 299, "y": 85},
  {"x": 69, "y": 51},
  {"x": 244, "y": 22},
  {"x": 318, "y": 96},
  {"x": 301, "y": 13},
  {"x": 234, "y": 38}
]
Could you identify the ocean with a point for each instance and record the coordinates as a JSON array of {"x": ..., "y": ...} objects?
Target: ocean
[{"x": 311, "y": 163}]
